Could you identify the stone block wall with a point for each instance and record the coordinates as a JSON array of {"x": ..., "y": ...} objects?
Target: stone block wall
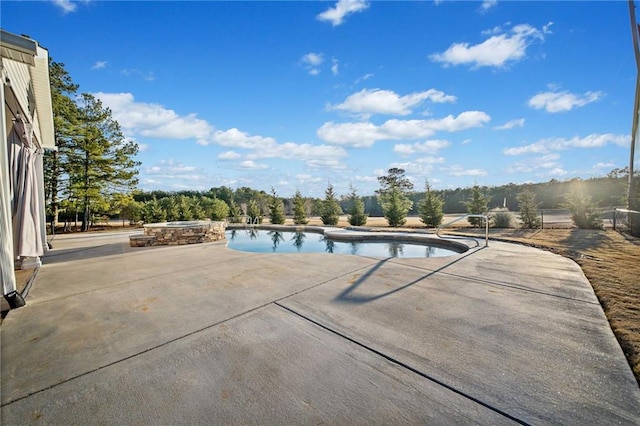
[{"x": 177, "y": 233}]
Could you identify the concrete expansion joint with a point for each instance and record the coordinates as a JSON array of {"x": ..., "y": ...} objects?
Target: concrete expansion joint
[{"x": 403, "y": 365}]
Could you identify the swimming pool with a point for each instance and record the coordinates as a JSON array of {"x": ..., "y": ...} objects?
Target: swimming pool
[{"x": 275, "y": 241}]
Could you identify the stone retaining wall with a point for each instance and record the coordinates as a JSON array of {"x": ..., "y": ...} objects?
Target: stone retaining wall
[{"x": 179, "y": 233}]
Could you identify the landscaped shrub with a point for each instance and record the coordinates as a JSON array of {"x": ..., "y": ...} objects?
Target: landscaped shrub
[
  {"x": 357, "y": 216},
  {"x": 501, "y": 220},
  {"x": 276, "y": 209},
  {"x": 477, "y": 205},
  {"x": 430, "y": 208},
  {"x": 330, "y": 209},
  {"x": 528, "y": 209},
  {"x": 583, "y": 212}
]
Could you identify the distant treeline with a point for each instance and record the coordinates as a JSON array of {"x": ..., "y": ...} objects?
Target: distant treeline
[{"x": 609, "y": 191}]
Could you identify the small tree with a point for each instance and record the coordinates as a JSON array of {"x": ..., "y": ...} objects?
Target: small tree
[
  {"x": 276, "y": 209},
  {"x": 528, "y": 209},
  {"x": 430, "y": 208},
  {"x": 299, "y": 210},
  {"x": 583, "y": 211},
  {"x": 393, "y": 199},
  {"x": 476, "y": 205},
  {"x": 330, "y": 208},
  {"x": 234, "y": 211},
  {"x": 214, "y": 208},
  {"x": 253, "y": 210},
  {"x": 501, "y": 219},
  {"x": 153, "y": 211},
  {"x": 357, "y": 216}
]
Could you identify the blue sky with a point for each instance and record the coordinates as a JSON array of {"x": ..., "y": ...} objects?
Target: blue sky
[{"x": 294, "y": 95}]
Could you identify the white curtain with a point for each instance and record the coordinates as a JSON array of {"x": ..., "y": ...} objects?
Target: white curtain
[
  {"x": 26, "y": 208},
  {"x": 6, "y": 233}
]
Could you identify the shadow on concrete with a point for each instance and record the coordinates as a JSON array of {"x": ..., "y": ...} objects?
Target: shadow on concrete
[
  {"x": 346, "y": 296},
  {"x": 91, "y": 252}
]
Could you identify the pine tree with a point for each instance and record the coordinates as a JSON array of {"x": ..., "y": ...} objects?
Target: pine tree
[
  {"x": 276, "y": 209},
  {"x": 330, "y": 208},
  {"x": 357, "y": 216},
  {"x": 528, "y": 209},
  {"x": 299, "y": 210},
  {"x": 254, "y": 211},
  {"x": 99, "y": 161},
  {"x": 234, "y": 211},
  {"x": 430, "y": 208},
  {"x": 392, "y": 195},
  {"x": 65, "y": 116},
  {"x": 583, "y": 211},
  {"x": 477, "y": 205}
]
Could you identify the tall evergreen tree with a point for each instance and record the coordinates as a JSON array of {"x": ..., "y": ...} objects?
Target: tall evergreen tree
[
  {"x": 299, "y": 209},
  {"x": 357, "y": 216},
  {"x": 253, "y": 211},
  {"x": 477, "y": 205},
  {"x": 99, "y": 161},
  {"x": 65, "y": 122},
  {"x": 528, "y": 209},
  {"x": 393, "y": 198},
  {"x": 276, "y": 209},
  {"x": 330, "y": 208},
  {"x": 234, "y": 211},
  {"x": 430, "y": 208}
]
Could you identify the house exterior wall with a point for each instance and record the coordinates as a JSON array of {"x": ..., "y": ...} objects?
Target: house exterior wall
[{"x": 25, "y": 96}]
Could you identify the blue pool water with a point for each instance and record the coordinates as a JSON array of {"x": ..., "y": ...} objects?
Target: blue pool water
[{"x": 267, "y": 241}]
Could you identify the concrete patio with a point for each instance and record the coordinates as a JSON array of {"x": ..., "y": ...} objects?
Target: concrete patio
[{"x": 202, "y": 334}]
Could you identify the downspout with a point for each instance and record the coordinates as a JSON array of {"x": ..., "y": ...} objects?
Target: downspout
[{"x": 636, "y": 103}]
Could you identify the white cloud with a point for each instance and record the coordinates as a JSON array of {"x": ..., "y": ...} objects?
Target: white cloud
[
  {"x": 548, "y": 162},
  {"x": 238, "y": 139},
  {"x": 558, "y": 171},
  {"x": 170, "y": 172},
  {"x": 428, "y": 147},
  {"x": 154, "y": 120},
  {"x": 363, "y": 78},
  {"x": 593, "y": 140},
  {"x": 458, "y": 170},
  {"x": 519, "y": 122},
  {"x": 488, "y": 4},
  {"x": 262, "y": 147},
  {"x": 305, "y": 152},
  {"x": 99, "y": 65},
  {"x": 335, "y": 67},
  {"x": 420, "y": 167},
  {"x": 365, "y": 134},
  {"x": 308, "y": 178},
  {"x": 608, "y": 165},
  {"x": 496, "y": 51},
  {"x": 67, "y": 6},
  {"x": 351, "y": 134},
  {"x": 145, "y": 75},
  {"x": 377, "y": 101},
  {"x": 229, "y": 155},
  {"x": 311, "y": 61},
  {"x": 336, "y": 14},
  {"x": 562, "y": 101},
  {"x": 252, "y": 165}
]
